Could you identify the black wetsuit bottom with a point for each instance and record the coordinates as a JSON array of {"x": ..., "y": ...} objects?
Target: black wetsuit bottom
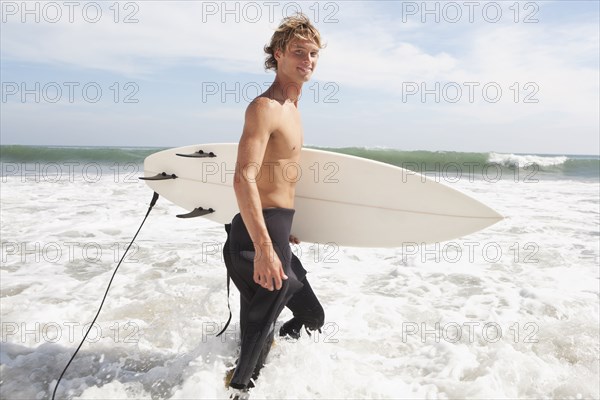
[{"x": 259, "y": 307}]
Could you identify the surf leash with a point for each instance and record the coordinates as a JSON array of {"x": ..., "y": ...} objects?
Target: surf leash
[{"x": 152, "y": 203}]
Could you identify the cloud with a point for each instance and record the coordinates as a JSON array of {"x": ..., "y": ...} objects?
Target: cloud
[
  {"x": 372, "y": 53},
  {"x": 166, "y": 35}
]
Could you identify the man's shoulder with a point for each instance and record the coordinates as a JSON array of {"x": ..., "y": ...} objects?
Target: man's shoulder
[
  {"x": 263, "y": 107},
  {"x": 263, "y": 103}
]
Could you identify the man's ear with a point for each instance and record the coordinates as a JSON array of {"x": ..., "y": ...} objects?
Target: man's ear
[{"x": 278, "y": 54}]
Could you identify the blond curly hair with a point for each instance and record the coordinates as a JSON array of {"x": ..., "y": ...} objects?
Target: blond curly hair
[{"x": 297, "y": 26}]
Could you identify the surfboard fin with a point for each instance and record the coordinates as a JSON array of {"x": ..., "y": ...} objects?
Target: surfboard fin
[
  {"x": 198, "y": 154},
  {"x": 196, "y": 212},
  {"x": 158, "y": 177}
]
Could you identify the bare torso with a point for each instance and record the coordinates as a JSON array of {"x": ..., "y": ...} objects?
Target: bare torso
[{"x": 280, "y": 169}]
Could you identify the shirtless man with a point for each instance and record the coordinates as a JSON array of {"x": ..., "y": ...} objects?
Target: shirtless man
[{"x": 257, "y": 252}]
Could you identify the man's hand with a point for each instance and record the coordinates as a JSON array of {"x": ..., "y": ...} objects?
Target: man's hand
[
  {"x": 294, "y": 239},
  {"x": 268, "y": 268}
]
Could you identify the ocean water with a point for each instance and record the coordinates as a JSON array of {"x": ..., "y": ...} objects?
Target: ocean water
[{"x": 508, "y": 312}]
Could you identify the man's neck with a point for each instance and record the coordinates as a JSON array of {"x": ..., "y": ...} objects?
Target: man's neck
[{"x": 285, "y": 90}]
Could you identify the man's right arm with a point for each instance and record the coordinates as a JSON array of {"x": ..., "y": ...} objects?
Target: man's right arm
[{"x": 259, "y": 123}]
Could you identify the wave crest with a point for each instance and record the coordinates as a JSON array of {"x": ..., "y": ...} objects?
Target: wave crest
[{"x": 514, "y": 160}]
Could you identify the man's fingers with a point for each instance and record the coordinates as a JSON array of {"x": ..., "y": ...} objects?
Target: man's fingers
[
  {"x": 263, "y": 281},
  {"x": 270, "y": 279},
  {"x": 275, "y": 282},
  {"x": 260, "y": 280}
]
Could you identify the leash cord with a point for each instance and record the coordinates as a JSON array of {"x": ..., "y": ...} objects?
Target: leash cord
[{"x": 152, "y": 203}]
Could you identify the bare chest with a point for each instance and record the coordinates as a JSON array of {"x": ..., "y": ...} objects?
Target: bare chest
[{"x": 286, "y": 141}]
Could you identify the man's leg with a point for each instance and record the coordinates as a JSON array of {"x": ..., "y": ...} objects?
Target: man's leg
[
  {"x": 244, "y": 307},
  {"x": 243, "y": 313},
  {"x": 259, "y": 322},
  {"x": 305, "y": 306},
  {"x": 261, "y": 307}
]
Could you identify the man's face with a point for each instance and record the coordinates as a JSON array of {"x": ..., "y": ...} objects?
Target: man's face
[{"x": 299, "y": 61}]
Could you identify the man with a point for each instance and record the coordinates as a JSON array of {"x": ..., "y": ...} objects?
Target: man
[{"x": 257, "y": 252}]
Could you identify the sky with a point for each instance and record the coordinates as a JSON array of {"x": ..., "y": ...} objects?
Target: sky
[{"x": 504, "y": 76}]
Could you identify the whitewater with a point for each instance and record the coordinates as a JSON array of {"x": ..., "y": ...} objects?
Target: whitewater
[{"x": 508, "y": 312}]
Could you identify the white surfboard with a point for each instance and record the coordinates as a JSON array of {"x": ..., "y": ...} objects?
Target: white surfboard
[{"x": 341, "y": 199}]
